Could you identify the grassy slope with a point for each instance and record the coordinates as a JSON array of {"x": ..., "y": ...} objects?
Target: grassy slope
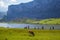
[
  {"x": 43, "y": 21},
  {"x": 48, "y": 21},
  {"x": 22, "y": 34}
]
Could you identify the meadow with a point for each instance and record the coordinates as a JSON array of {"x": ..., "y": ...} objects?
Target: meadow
[{"x": 22, "y": 34}]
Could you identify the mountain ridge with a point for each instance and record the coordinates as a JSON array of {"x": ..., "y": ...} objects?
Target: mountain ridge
[{"x": 39, "y": 9}]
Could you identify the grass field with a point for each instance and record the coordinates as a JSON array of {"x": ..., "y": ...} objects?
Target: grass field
[{"x": 22, "y": 34}]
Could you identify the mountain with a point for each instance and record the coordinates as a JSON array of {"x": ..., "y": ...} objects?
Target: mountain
[
  {"x": 1, "y": 14},
  {"x": 39, "y": 9}
]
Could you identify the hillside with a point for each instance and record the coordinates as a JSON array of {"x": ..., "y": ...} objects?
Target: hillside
[
  {"x": 1, "y": 14},
  {"x": 46, "y": 21},
  {"x": 35, "y": 21},
  {"x": 50, "y": 21}
]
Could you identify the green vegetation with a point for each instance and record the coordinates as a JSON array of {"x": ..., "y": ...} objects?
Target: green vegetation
[
  {"x": 26, "y": 21},
  {"x": 22, "y": 34},
  {"x": 36, "y": 21},
  {"x": 50, "y": 21},
  {"x": 43, "y": 21}
]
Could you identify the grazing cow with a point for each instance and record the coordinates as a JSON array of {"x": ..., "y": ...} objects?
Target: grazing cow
[
  {"x": 28, "y": 27},
  {"x": 31, "y": 33}
]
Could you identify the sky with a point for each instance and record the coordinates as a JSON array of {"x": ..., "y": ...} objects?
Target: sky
[{"x": 5, "y": 3}]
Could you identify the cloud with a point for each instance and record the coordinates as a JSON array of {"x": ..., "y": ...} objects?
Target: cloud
[
  {"x": 5, "y": 3},
  {"x": 13, "y": 1},
  {"x": 2, "y": 4}
]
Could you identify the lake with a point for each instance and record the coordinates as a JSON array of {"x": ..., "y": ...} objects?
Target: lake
[{"x": 10, "y": 25}]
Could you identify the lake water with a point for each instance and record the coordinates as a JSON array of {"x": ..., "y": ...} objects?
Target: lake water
[
  {"x": 16, "y": 25},
  {"x": 30, "y": 25},
  {"x": 3, "y": 24}
]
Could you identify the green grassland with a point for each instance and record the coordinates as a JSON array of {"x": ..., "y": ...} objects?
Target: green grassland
[
  {"x": 50, "y": 21},
  {"x": 35, "y": 21},
  {"x": 22, "y": 34}
]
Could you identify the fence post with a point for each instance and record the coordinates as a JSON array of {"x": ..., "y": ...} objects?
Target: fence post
[
  {"x": 42, "y": 27},
  {"x": 53, "y": 27},
  {"x": 28, "y": 27},
  {"x": 50, "y": 28},
  {"x": 38, "y": 28}
]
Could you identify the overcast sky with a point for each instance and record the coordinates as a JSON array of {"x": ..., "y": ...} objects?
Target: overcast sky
[{"x": 5, "y": 3}]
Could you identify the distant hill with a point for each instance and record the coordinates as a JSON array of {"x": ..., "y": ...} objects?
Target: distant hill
[
  {"x": 3, "y": 19},
  {"x": 1, "y": 15},
  {"x": 39, "y": 9}
]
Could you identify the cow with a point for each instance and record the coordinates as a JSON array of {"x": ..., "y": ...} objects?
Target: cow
[{"x": 31, "y": 33}]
